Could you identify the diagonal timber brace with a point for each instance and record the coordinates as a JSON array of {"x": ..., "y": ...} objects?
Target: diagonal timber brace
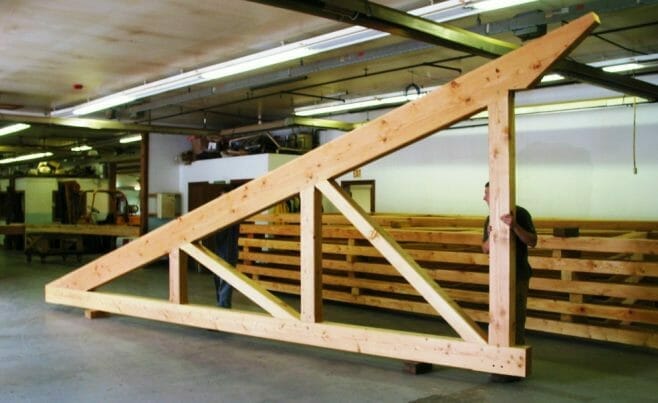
[
  {"x": 408, "y": 268},
  {"x": 252, "y": 290},
  {"x": 459, "y": 99}
]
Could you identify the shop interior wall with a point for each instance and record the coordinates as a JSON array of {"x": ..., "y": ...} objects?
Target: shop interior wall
[
  {"x": 39, "y": 199},
  {"x": 576, "y": 164},
  {"x": 570, "y": 164},
  {"x": 227, "y": 169}
]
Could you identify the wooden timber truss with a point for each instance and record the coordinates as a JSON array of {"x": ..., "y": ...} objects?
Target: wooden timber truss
[{"x": 489, "y": 87}]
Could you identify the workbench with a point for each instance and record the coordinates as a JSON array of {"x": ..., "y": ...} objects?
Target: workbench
[
  {"x": 11, "y": 231},
  {"x": 67, "y": 239}
]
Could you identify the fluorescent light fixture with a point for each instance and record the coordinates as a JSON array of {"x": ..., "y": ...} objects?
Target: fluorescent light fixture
[
  {"x": 575, "y": 105},
  {"x": 394, "y": 99},
  {"x": 102, "y": 103},
  {"x": 551, "y": 77},
  {"x": 628, "y": 63},
  {"x": 130, "y": 139},
  {"x": 570, "y": 106},
  {"x": 623, "y": 67},
  {"x": 81, "y": 148},
  {"x": 281, "y": 54},
  {"x": 489, "y": 5},
  {"x": 438, "y": 7},
  {"x": 345, "y": 37},
  {"x": 615, "y": 65},
  {"x": 26, "y": 157},
  {"x": 257, "y": 61},
  {"x": 381, "y": 101},
  {"x": 13, "y": 128}
]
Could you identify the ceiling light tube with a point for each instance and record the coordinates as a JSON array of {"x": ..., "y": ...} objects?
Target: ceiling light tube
[
  {"x": 344, "y": 37},
  {"x": 256, "y": 61},
  {"x": 81, "y": 148},
  {"x": 281, "y": 54},
  {"x": 130, "y": 139},
  {"x": 358, "y": 104},
  {"x": 26, "y": 157},
  {"x": 650, "y": 58},
  {"x": 446, "y": 11},
  {"x": 551, "y": 77},
  {"x": 623, "y": 67},
  {"x": 158, "y": 87},
  {"x": 13, "y": 128},
  {"x": 490, "y": 5},
  {"x": 569, "y": 106},
  {"x": 102, "y": 103}
]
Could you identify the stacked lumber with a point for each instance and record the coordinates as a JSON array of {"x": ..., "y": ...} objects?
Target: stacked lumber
[{"x": 592, "y": 279}]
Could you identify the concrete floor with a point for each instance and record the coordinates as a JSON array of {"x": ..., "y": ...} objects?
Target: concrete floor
[{"x": 52, "y": 353}]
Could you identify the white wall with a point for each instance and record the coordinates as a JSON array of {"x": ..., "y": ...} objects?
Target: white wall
[
  {"x": 569, "y": 165},
  {"x": 276, "y": 160},
  {"x": 227, "y": 169},
  {"x": 164, "y": 162},
  {"x": 168, "y": 175},
  {"x": 586, "y": 160},
  {"x": 574, "y": 164},
  {"x": 39, "y": 196}
]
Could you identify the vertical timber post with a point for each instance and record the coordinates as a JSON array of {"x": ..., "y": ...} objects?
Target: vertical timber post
[
  {"x": 502, "y": 270},
  {"x": 112, "y": 187},
  {"x": 177, "y": 277},
  {"x": 144, "y": 184},
  {"x": 311, "y": 255}
]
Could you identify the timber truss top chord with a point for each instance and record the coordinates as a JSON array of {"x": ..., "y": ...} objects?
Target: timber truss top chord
[{"x": 490, "y": 86}]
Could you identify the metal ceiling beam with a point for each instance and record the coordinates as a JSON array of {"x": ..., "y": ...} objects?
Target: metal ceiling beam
[
  {"x": 295, "y": 121},
  {"x": 22, "y": 149},
  {"x": 386, "y": 19},
  {"x": 566, "y": 13},
  {"x": 98, "y": 124},
  {"x": 321, "y": 123},
  {"x": 399, "y": 23}
]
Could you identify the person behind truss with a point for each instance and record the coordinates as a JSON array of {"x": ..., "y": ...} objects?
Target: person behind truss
[
  {"x": 521, "y": 225},
  {"x": 226, "y": 247}
]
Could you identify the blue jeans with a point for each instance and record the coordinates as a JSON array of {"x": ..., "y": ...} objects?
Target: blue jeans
[
  {"x": 223, "y": 291},
  {"x": 226, "y": 242}
]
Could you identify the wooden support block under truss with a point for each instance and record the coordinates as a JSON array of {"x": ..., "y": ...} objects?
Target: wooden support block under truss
[
  {"x": 92, "y": 314},
  {"x": 417, "y": 368},
  {"x": 489, "y": 85}
]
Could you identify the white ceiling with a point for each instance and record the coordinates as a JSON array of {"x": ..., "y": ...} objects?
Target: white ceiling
[{"x": 64, "y": 52}]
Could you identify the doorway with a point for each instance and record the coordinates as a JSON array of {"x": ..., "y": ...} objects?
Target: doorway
[
  {"x": 362, "y": 192},
  {"x": 199, "y": 193},
  {"x": 12, "y": 211}
]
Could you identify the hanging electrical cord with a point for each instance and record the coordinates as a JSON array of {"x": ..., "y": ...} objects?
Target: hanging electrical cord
[
  {"x": 412, "y": 86},
  {"x": 634, "y": 135}
]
